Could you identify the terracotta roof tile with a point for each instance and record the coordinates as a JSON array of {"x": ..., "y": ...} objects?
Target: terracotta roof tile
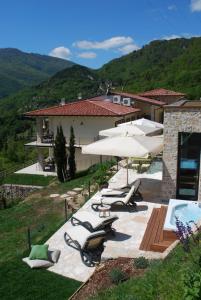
[
  {"x": 161, "y": 92},
  {"x": 89, "y": 107},
  {"x": 140, "y": 98}
]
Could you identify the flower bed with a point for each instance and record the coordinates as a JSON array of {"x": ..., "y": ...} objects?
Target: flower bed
[{"x": 102, "y": 279}]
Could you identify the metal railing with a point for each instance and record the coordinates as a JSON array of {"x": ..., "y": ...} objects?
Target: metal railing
[
  {"x": 7, "y": 172},
  {"x": 79, "y": 141}
]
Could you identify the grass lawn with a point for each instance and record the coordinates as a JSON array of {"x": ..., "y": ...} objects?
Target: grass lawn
[
  {"x": 27, "y": 179},
  {"x": 163, "y": 280},
  {"x": 44, "y": 215},
  {"x": 18, "y": 281}
]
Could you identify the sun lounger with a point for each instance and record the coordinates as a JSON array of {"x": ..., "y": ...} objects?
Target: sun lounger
[
  {"x": 127, "y": 201},
  {"x": 92, "y": 221},
  {"x": 109, "y": 192},
  {"x": 136, "y": 192},
  {"x": 112, "y": 192},
  {"x": 89, "y": 244}
]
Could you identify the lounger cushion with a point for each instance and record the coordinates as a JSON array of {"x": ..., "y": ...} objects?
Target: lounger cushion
[
  {"x": 108, "y": 200},
  {"x": 37, "y": 263},
  {"x": 39, "y": 252},
  {"x": 81, "y": 234},
  {"x": 111, "y": 192},
  {"x": 92, "y": 218},
  {"x": 53, "y": 255}
]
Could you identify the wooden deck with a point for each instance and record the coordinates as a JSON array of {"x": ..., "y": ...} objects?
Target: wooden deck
[{"x": 155, "y": 238}]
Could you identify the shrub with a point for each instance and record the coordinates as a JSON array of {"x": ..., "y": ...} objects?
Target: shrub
[
  {"x": 71, "y": 159},
  {"x": 60, "y": 154},
  {"x": 141, "y": 262},
  {"x": 192, "y": 285},
  {"x": 117, "y": 275}
]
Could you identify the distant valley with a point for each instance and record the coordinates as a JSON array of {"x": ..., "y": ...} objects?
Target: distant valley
[{"x": 19, "y": 69}]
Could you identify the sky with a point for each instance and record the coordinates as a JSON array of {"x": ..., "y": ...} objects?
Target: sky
[{"x": 92, "y": 32}]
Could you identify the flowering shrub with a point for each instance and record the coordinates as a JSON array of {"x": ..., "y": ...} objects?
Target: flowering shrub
[
  {"x": 190, "y": 240},
  {"x": 186, "y": 235}
]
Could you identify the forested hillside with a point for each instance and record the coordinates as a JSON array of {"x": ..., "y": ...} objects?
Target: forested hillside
[
  {"x": 174, "y": 64},
  {"x": 19, "y": 69}
]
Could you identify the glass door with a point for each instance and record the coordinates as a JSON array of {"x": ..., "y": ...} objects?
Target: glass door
[{"x": 188, "y": 165}]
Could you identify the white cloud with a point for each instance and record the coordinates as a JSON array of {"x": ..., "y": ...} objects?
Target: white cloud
[
  {"x": 172, "y": 7},
  {"x": 195, "y": 5},
  {"x": 171, "y": 37},
  {"x": 87, "y": 55},
  {"x": 128, "y": 48},
  {"x": 113, "y": 42},
  {"x": 60, "y": 52}
]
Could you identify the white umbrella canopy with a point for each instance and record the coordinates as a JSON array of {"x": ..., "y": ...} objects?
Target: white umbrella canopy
[
  {"x": 130, "y": 130},
  {"x": 143, "y": 122},
  {"x": 126, "y": 146}
]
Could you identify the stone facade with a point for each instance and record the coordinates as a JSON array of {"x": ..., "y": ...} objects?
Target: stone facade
[{"x": 177, "y": 119}]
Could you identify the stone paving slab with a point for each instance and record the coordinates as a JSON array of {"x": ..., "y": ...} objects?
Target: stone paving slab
[
  {"x": 130, "y": 228},
  {"x": 70, "y": 264}
]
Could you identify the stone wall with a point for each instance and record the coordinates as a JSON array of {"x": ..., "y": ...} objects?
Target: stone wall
[
  {"x": 11, "y": 192},
  {"x": 176, "y": 120}
]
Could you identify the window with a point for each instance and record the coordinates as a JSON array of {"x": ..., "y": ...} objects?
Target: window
[{"x": 188, "y": 165}]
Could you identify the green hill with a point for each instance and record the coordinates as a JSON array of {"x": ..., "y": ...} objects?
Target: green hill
[
  {"x": 65, "y": 84},
  {"x": 19, "y": 69},
  {"x": 174, "y": 64}
]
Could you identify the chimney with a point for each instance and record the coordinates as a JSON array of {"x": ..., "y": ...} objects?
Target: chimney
[
  {"x": 62, "y": 101},
  {"x": 79, "y": 96}
]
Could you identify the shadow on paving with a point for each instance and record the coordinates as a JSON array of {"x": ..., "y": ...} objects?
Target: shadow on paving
[{"x": 119, "y": 237}]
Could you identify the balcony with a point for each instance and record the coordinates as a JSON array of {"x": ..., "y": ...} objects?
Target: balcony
[
  {"x": 47, "y": 138},
  {"x": 49, "y": 165}
]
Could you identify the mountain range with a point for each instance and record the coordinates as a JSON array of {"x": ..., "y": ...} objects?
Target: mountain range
[
  {"x": 19, "y": 69},
  {"x": 173, "y": 64}
]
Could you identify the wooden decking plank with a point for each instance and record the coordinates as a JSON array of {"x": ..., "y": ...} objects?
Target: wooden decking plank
[
  {"x": 155, "y": 230},
  {"x": 159, "y": 234},
  {"x": 160, "y": 247},
  {"x": 153, "y": 239},
  {"x": 149, "y": 232},
  {"x": 145, "y": 242},
  {"x": 164, "y": 210}
]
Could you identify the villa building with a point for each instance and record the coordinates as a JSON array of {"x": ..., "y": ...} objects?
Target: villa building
[
  {"x": 151, "y": 103},
  {"x": 87, "y": 117},
  {"x": 90, "y": 116},
  {"x": 182, "y": 150}
]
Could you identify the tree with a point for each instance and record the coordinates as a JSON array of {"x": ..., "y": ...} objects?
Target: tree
[
  {"x": 71, "y": 158},
  {"x": 60, "y": 154}
]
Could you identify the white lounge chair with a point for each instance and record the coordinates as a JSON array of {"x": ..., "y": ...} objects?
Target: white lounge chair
[
  {"x": 89, "y": 244},
  {"x": 92, "y": 221},
  {"x": 127, "y": 201}
]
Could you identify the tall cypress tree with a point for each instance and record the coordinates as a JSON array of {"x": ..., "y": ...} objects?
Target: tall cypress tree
[
  {"x": 71, "y": 158},
  {"x": 60, "y": 154}
]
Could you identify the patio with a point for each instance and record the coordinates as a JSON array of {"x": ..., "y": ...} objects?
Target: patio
[
  {"x": 35, "y": 169},
  {"x": 130, "y": 229}
]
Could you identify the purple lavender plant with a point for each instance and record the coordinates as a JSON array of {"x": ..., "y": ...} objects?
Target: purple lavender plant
[
  {"x": 189, "y": 238},
  {"x": 183, "y": 234},
  {"x": 196, "y": 237}
]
